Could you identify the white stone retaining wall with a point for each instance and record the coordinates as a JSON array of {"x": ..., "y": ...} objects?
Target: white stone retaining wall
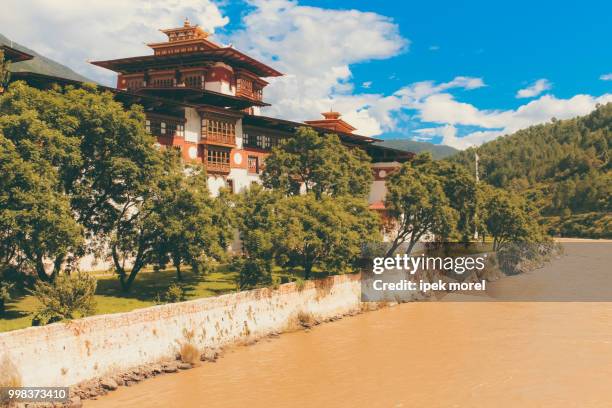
[{"x": 64, "y": 354}]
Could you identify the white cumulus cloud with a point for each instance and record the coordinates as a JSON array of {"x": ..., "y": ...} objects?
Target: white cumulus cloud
[
  {"x": 315, "y": 47},
  {"x": 606, "y": 77},
  {"x": 534, "y": 89},
  {"x": 443, "y": 109},
  {"x": 75, "y": 31}
]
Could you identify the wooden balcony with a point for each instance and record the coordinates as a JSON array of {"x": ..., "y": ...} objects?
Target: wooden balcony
[
  {"x": 219, "y": 139},
  {"x": 252, "y": 94},
  {"x": 212, "y": 167}
]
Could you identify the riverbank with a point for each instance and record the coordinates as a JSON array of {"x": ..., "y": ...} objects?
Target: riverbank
[
  {"x": 449, "y": 353},
  {"x": 102, "y": 346}
]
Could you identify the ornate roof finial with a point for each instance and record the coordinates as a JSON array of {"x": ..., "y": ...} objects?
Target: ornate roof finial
[
  {"x": 186, "y": 23},
  {"x": 331, "y": 114}
]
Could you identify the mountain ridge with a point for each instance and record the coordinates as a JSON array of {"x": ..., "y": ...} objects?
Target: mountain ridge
[{"x": 437, "y": 151}]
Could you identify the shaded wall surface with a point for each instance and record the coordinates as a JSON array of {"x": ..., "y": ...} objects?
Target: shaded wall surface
[{"x": 63, "y": 354}]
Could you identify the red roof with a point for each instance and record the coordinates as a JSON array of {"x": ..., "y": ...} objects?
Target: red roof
[
  {"x": 377, "y": 205},
  {"x": 290, "y": 126}
]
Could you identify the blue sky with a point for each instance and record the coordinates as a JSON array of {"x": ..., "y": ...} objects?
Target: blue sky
[{"x": 451, "y": 72}]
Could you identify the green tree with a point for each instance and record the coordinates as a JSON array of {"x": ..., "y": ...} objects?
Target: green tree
[
  {"x": 99, "y": 154},
  {"x": 253, "y": 272},
  {"x": 195, "y": 228},
  {"x": 4, "y": 71},
  {"x": 5, "y": 295},
  {"x": 461, "y": 190},
  {"x": 256, "y": 218},
  {"x": 66, "y": 298},
  {"x": 36, "y": 224},
  {"x": 319, "y": 163},
  {"x": 508, "y": 219},
  {"x": 459, "y": 187},
  {"x": 326, "y": 233},
  {"x": 137, "y": 233},
  {"x": 416, "y": 200}
]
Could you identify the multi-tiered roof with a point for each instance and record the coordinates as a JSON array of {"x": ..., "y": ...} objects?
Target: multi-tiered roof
[{"x": 180, "y": 67}]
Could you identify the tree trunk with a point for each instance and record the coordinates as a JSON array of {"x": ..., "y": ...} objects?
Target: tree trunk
[
  {"x": 400, "y": 238},
  {"x": 307, "y": 270},
  {"x": 411, "y": 245},
  {"x": 396, "y": 244},
  {"x": 40, "y": 270},
  {"x": 57, "y": 265},
  {"x": 126, "y": 284},
  {"x": 124, "y": 279},
  {"x": 179, "y": 276}
]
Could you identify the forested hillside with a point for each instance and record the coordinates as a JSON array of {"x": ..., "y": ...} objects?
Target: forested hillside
[{"x": 563, "y": 167}]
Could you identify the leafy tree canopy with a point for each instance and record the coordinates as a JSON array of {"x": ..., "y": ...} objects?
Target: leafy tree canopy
[
  {"x": 320, "y": 164},
  {"x": 85, "y": 153},
  {"x": 417, "y": 201},
  {"x": 4, "y": 71},
  {"x": 508, "y": 218},
  {"x": 328, "y": 233},
  {"x": 36, "y": 222},
  {"x": 195, "y": 228}
]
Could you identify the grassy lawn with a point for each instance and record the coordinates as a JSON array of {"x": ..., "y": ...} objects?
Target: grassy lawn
[
  {"x": 144, "y": 292},
  {"x": 110, "y": 298}
]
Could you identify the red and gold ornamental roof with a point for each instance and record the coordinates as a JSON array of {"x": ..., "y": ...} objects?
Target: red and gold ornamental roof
[{"x": 188, "y": 46}]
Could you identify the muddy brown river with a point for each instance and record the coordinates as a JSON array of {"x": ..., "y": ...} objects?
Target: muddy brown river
[{"x": 434, "y": 354}]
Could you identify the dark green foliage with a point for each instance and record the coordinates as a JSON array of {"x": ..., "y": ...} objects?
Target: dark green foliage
[
  {"x": 175, "y": 293},
  {"x": 319, "y": 163},
  {"x": 327, "y": 234},
  {"x": 4, "y": 71},
  {"x": 303, "y": 231},
  {"x": 83, "y": 175},
  {"x": 325, "y": 228},
  {"x": 195, "y": 229},
  {"x": 427, "y": 196},
  {"x": 562, "y": 167},
  {"x": 507, "y": 218},
  {"x": 5, "y": 294},
  {"x": 254, "y": 273},
  {"x": 592, "y": 225},
  {"x": 173, "y": 220},
  {"x": 36, "y": 222},
  {"x": 255, "y": 217},
  {"x": 83, "y": 159},
  {"x": 66, "y": 298}
]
